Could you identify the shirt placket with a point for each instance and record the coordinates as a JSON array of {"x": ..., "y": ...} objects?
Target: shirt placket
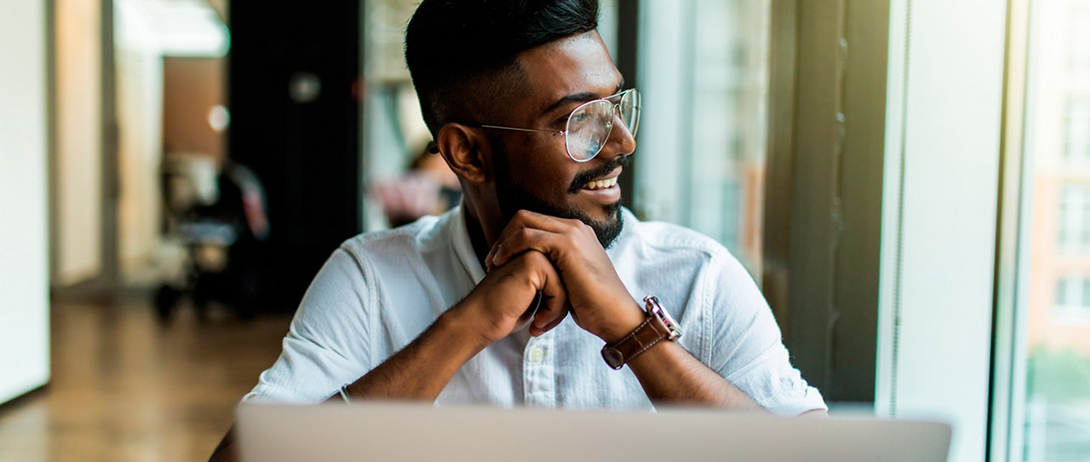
[{"x": 539, "y": 371}]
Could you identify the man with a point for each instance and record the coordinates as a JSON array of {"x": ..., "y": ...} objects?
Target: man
[{"x": 529, "y": 111}]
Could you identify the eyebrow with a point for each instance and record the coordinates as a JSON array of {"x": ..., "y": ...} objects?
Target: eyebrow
[{"x": 580, "y": 97}]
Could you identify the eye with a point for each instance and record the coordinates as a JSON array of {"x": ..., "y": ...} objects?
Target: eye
[{"x": 578, "y": 117}]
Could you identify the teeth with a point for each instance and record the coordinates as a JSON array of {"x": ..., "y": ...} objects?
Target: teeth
[{"x": 601, "y": 184}]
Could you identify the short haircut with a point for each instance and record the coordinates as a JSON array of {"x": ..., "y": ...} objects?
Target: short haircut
[{"x": 462, "y": 54}]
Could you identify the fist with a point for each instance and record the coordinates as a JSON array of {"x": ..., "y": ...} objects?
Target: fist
[{"x": 506, "y": 298}]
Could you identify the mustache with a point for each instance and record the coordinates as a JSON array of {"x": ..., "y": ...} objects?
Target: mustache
[{"x": 585, "y": 177}]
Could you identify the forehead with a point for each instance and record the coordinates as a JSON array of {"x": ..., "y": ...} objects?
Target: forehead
[{"x": 576, "y": 64}]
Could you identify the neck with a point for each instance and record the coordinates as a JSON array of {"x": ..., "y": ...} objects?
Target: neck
[{"x": 483, "y": 228}]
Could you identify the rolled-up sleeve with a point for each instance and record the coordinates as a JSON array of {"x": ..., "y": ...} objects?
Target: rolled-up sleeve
[{"x": 328, "y": 343}]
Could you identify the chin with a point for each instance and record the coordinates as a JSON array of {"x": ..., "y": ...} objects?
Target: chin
[
  {"x": 608, "y": 228},
  {"x": 611, "y": 212}
]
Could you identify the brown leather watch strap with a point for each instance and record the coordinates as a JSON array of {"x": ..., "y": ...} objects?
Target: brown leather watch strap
[{"x": 619, "y": 353}]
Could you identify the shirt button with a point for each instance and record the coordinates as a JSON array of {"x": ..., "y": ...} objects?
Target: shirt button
[{"x": 536, "y": 355}]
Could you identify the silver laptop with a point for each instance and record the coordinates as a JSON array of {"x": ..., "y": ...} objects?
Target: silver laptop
[{"x": 410, "y": 432}]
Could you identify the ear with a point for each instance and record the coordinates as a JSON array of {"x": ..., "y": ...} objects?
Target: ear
[{"x": 466, "y": 151}]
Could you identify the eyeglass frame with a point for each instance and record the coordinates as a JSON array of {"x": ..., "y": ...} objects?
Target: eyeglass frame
[{"x": 564, "y": 132}]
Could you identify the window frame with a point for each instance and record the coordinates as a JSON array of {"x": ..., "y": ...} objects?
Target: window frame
[{"x": 1010, "y": 333}]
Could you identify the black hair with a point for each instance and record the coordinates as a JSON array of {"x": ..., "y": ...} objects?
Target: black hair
[{"x": 462, "y": 54}]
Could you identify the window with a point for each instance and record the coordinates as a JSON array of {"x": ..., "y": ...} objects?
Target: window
[
  {"x": 1073, "y": 297},
  {"x": 1077, "y": 131},
  {"x": 704, "y": 78},
  {"x": 1049, "y": 357},
  {"x": 1075, "y": 217}
]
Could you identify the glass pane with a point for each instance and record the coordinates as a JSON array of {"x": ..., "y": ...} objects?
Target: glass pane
[
  {"x": 704, "y": 77},
  {"x": 1085, "y": 294},
  {"x": 1056, "y": 409},
  {"x": 1077, "y": 140},
  {"x": 1061, "y": 293}
]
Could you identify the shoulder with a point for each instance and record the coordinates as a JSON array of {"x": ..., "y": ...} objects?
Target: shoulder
[
  {"x": 413, "y": 238},
  {"x": 691, "y": 262},
  {"x": 671, "y": 239}
]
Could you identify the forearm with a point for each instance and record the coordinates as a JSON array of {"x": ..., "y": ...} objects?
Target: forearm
[
  {"x": 670, "y": 375},
  {"x": 423, "y": 368}
]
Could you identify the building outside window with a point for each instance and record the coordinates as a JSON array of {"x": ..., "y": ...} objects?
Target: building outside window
[
  {"x": 1073, "y": 297},
  {"x": 1075, "y": 217},
  {"x": 1077, "y": 131}
]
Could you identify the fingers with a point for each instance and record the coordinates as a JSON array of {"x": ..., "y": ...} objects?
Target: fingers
[
  {"x": 551, "y": 313},
  {"x": 523, "y": 240},
  {"x": 538, "y": 331},
  {"x": 554, "y": 304},
  {"x": 517, "y": 229}
]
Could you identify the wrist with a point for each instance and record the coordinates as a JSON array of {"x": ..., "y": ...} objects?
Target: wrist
[
  {"x": 626, "y": 319},
  {"x": 461, "y": 322}
]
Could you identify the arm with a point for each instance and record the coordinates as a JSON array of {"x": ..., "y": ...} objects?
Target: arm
[
  {"x": 421, "y": 369},
  {"x": 492, "y": 311},
  {"x": 669, "y": 374},
  {"x": 745, "y": 353},
  {"x": 602, "y": 305}
]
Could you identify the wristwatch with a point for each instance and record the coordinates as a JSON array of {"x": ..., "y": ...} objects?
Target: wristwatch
[{"x": 659, "y": 326}]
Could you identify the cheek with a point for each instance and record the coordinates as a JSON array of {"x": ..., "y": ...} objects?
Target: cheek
[{"x": 541, "y": 168}]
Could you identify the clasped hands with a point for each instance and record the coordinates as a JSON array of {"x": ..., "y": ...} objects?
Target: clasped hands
[{"x": 562, "y": 259}]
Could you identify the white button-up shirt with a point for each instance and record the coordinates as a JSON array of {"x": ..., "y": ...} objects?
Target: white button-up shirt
[{"x": 380, "y": 290}]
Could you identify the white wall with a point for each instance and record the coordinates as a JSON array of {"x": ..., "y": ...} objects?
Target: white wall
[
  {"x": 79, "y": 140},
  {"x": 24, "y": 280}
]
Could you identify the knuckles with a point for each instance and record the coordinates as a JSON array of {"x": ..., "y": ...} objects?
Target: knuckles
[
  {"x": 571, "y": 240},
  {"x": 525, "y": 235},
  {"x": 523, "y": 215}
]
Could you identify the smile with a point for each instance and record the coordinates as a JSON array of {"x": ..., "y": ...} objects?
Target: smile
[{"x": 601, "y": 184}]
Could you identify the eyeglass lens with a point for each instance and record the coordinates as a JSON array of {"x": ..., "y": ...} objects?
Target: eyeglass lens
[{"x": 590, "y": 125}]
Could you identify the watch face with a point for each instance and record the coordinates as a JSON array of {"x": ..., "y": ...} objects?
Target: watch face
[
  {"x": 656, "y": 309},
  {"x": 667, "y": 319}
]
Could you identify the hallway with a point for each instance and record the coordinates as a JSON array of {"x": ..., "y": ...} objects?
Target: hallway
[{"x": 125, "y": 388}]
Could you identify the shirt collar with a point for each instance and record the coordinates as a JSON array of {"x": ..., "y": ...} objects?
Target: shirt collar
[{"x": 463, "y": 247}]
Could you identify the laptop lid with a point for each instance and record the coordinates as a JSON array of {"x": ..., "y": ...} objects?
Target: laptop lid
[{"x": 414, "y": 432}]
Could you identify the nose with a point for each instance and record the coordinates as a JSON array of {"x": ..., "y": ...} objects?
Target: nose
[{"x": 621, "y": 141}]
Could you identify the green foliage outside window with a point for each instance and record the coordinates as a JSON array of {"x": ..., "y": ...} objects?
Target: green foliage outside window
[{"x": 1062, "y": 375}]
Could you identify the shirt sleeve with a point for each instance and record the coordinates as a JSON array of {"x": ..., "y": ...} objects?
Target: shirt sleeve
[
  {"x": 746, "y": 346},
  {"x": 328, "y": 343}
]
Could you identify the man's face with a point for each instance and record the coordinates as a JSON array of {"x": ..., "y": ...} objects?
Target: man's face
[{"x": 533, "y": 170}]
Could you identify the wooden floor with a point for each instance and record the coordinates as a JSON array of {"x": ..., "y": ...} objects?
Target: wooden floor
[{"x": 125, "y": 388}]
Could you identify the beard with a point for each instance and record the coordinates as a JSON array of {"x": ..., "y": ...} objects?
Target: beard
[{"x": 512, "y": 198}]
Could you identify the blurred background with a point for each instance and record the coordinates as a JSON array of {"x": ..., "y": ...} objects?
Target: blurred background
[{"x": 174, "y": 173}]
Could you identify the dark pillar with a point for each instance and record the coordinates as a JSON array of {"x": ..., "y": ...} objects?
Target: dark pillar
[{"x": 295, "y": 121}]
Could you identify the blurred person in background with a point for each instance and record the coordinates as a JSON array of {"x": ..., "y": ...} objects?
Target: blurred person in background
[
  {"x": 218, "y": 212},
  {"x": 529, "y": 111},
  {"x": 428, "y": 188}
]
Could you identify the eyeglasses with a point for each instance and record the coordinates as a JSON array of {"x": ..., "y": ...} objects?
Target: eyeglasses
[{"x": 589, "y": 125}]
